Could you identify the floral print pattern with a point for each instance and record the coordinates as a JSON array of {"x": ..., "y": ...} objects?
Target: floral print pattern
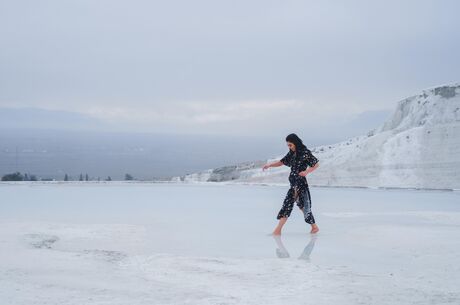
[
  {"x": 298, "y": 164},
  {"x": 299, "y": 191}
]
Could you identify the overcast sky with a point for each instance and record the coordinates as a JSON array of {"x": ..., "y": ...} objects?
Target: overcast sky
[{"x": 230, "y": 67}]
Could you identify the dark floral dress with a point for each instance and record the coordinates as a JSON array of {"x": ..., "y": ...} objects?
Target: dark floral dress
[{"x": 298, "y": 191}]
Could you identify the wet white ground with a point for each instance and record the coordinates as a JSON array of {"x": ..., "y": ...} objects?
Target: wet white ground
[{"x": 136, "y": 243}]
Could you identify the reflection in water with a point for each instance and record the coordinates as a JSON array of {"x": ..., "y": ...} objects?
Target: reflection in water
[
  {"x": 308, "y": 249},
  {"x": 282, "y": 252}
]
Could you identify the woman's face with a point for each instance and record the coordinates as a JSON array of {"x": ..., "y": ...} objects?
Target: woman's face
[{"x": 291, "y": 145}]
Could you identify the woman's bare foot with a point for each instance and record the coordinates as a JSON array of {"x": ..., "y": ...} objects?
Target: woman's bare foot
[{"x": 314, "y": 229}]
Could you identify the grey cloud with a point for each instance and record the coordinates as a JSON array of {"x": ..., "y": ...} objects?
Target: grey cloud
[{"x": 143, "y": 54}]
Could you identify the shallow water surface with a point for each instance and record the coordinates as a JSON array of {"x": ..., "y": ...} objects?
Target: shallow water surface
[{"x": 364, "y": 233}]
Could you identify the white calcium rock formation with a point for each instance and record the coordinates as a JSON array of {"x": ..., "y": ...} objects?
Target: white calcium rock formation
[{"x": 418, "y": 146}]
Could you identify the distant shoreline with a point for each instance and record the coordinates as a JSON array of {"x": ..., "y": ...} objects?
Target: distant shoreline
[{"x": 137, "y": 182}]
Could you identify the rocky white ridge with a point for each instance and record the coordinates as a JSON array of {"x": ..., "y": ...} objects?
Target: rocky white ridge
[{"x": 418, "y": 146}]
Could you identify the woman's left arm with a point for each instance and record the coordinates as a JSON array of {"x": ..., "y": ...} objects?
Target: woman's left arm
[
  {"x": 311, "y": 161},
  {"x": 309, "y": 170}
]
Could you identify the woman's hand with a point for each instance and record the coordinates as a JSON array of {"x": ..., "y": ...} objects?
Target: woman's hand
[
  {"x": 268, "y": 165},
  {"x": 303, "y": 173}
]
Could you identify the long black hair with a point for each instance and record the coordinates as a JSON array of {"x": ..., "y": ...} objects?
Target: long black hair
[{"x": 299, "y": 146}]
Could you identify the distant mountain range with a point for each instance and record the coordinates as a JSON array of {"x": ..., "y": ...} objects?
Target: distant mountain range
[
  {"x": 52, "y": 143},
  {"x": 418, "y": 146},
  {"x": 31, "y": 117}
]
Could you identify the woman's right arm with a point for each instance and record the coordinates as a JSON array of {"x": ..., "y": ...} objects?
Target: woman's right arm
[{"x": 273, "y": 164}]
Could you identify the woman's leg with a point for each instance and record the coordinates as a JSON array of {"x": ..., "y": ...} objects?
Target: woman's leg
[
  {"x": 285, "y": 210},
  {"x": 304, "y": 204},
  {"x": 280, "y": 225}
]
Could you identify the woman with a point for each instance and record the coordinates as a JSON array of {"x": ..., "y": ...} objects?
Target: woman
[{"x": 301, "y": 161}]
